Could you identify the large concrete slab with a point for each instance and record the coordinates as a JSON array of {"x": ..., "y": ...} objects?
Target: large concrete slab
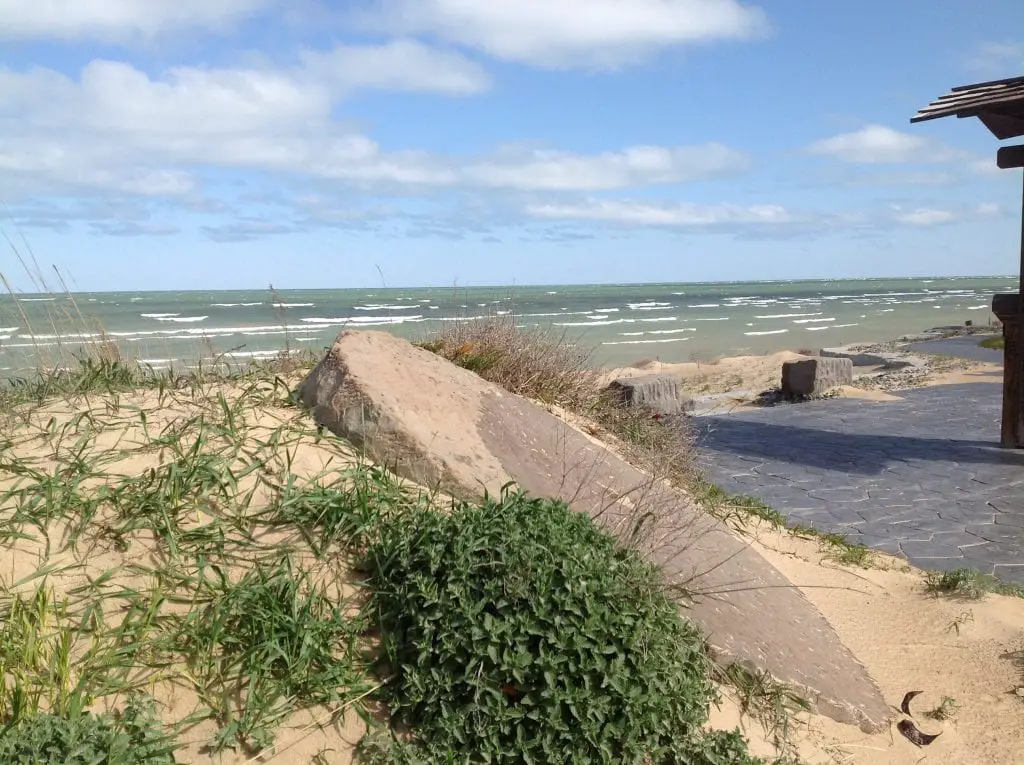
[{"x": 445, "y": 427}]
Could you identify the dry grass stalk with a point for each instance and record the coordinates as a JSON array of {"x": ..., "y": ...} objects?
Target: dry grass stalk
[{"x": 541, "y": 364}]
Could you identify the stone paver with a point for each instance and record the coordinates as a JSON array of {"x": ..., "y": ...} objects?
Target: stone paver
[{"x": 922, "y": 477}]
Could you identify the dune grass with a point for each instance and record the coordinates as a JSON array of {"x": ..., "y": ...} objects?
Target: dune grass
[
  {"x": 184, "y": 583},
  {"x": 136, "y": 523},
  {"x": 969, "y": 584},
  {"x": 189, "y": 561},
  {"x": 546, "y": 366}
]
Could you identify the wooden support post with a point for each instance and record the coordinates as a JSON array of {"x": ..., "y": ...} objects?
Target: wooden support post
[{"x": 1010, "y": 310}]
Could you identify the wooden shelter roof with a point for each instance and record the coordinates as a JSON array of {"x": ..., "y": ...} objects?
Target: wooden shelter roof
[{"x": 998, "y": 104}]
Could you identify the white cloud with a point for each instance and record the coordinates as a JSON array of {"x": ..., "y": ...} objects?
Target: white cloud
[
  {"x": 923, "y": 216},
  {"x": 751, "y": 218},
  {"x": 997, "y": 59},
  {"x": 400, "y": 65},
  {"x": 245, "y": 229},
  {"x": 877, "y": 144},
  {"x": 118, "y": 20},
  {"x": 565, "y": 33},
  {"x": 671, "y": 215},
  {"x": 116, "y": 128},
  {"x": 636, "y": 165}
]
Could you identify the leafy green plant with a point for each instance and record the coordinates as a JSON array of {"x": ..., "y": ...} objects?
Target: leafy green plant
[
  {"x": 721, "y": 747},
  {"x": 133, "y": 737},
  {"x": 517, "y": 631},
  {"x": 997, "y": 343}
]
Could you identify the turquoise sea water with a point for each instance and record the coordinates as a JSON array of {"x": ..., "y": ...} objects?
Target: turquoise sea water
[{"x": 622, "y": 323}]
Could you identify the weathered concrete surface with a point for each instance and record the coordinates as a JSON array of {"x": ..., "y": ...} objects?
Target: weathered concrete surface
[
  {"x": 862, "y": 358},
  {"x": 858, "y": 357},
  {"x": 661, "y": 392},
  {"x": 815, "y": 376},
  {"x": 966, "y": 347},
  {"x": 438, "y": 424},
  {"x": 922, "y": 477}
]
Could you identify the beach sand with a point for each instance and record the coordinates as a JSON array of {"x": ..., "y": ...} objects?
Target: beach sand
[
  {"x": 748, "y": 376},
  {"x": 907, "y": 639},
  {"x": 970, "y": 651}
]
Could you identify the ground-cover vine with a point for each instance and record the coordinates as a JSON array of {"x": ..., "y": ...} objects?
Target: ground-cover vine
[{"x": 517, "y": 631}]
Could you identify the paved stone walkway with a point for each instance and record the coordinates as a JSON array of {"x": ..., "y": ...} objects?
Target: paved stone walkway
[{"x": 922, "y": 477}]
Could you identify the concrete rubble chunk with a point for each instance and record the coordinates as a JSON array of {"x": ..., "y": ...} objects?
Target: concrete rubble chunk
[
  {"x": 444, "y": 427},
  {"x": 815, "y": 376},
  {"x": 662, "y": 393},
  {"x": 862, "y": 358},
  {"x": 857, "y": 357}
]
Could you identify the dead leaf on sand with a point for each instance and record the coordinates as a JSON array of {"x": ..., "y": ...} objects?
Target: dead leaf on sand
[
  {"x": 913, "y": 735},
  {"x": 905, "y": 704}
]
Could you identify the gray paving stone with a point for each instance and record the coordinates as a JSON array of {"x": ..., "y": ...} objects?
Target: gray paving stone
[
  {"x": 1009, "y": 573},
  {"x": 888, "y": 546},
  {"x": 996, "y": 553},
  {"x": 928, "y": 550},
  {"x": 958, "y": 539},
  {"x": 1009, "y": 519},
  {"x": 1004, "y": 535},
  {"x": 952, "y": 564},
  {"x": 925, "y": 474}
]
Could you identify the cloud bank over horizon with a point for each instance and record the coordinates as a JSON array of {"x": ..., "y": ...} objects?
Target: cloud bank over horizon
[{"x": 459, "y": 132}]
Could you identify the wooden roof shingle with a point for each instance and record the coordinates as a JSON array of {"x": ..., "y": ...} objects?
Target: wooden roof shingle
[{"x": 999, "y": 104}]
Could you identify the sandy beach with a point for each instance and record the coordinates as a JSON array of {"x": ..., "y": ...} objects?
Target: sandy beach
[
  {"x": 906, "y": 638},
  {"x": 965, "y": 656}
]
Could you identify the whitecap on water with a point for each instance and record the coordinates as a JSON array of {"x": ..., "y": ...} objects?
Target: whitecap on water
[
  {"x": 787, "y": 315},
  {"x": 595, "y": 323},
  {"x": 362, "y": 320},
  {"x": 646, "y": 342}
]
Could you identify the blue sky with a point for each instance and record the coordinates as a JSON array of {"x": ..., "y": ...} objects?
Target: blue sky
[{"x": 233, "y": 143}]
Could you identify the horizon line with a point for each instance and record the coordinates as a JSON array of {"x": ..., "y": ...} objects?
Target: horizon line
[{"x": 513, "y": 285}]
